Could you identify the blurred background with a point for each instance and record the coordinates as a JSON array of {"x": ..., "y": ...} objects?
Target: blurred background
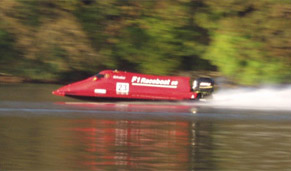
[{"x": 245, "y": 41}]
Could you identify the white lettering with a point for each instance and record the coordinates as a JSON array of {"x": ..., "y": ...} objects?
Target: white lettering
[
  {"x": 205, "y": 84},
  {"x": 100, "y": 91},
  {"x": 133, "y": 79},
  {"x": 174, "y": 83},
  {"x": 143, "y": 81},
  {"x": 119, "y": 77},
  {"x": 154, "y": 85}
]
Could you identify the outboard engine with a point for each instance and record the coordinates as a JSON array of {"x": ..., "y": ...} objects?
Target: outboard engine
[{"x": 203, "y": 87}]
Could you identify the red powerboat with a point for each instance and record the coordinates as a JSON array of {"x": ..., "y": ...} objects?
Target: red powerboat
[{"x": 115, "y": 84}]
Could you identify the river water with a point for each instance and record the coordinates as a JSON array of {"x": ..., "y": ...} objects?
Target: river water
[{"x": 39, "y": 131}]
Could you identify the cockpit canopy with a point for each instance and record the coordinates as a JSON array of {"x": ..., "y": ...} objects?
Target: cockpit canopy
[{"x": 100, "y": 76}]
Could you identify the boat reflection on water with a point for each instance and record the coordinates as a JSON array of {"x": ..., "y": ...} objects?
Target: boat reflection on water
[
  {"x": 41, "y": 135},
  {"x": 136, "y": 144},
  {"x": 132, "y": 107},
  {"x": 132, "y": 143},
  {"x": 106, "y": 136}
]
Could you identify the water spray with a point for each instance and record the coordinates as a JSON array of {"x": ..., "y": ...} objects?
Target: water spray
[{"x": 266, "y": 98}]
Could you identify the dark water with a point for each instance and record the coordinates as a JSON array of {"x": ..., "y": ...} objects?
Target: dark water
[{"x": 41, "y": 132}]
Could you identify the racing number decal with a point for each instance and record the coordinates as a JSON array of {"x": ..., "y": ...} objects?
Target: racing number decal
[{"x": 122, "y": 88}]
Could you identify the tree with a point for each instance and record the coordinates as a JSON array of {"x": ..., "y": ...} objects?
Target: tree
[{"x": 250, "y": 39}]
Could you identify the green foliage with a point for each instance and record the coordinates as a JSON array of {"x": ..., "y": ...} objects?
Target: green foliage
[
  {"x": 247, "y": 41},
  {"x": 8, "y": 52},
  {"x": 6, "y": 45},
  {"x": 145, "y": 36},
  {"x": 28, "y": 12}
]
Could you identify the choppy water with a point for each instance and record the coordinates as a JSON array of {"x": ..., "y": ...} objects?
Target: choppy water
[{"x": 39, "y": 131}]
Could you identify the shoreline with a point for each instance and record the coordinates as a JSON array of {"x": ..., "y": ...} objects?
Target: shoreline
[
  {"x": 220, "y": 80},
  {"x": 11, "y": 79},
  {"x": 7, "y": 78}
]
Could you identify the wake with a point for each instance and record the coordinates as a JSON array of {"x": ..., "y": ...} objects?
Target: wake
[{"x": 266, "y": 98}]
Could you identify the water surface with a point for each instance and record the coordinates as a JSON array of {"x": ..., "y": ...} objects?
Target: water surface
[{"x": 39, "y": 131}]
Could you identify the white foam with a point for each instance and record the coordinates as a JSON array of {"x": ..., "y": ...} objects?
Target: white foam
[{"x": 273, "y": 98}]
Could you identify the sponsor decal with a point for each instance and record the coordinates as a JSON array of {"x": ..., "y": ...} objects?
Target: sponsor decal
[
  {"x": 204, "y": 85},
  {"x": 119, "y": 77},
  {"x": 122, "y": 88},
  {"x": 163, "y": 83},
  {"x": 100, "y": 91}
]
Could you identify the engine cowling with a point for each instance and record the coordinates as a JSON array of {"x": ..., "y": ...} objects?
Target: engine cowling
[{"x": 203, "y": 86}]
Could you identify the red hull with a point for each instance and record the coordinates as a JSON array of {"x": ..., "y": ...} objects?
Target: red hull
[{"x": 127, "y": 85}]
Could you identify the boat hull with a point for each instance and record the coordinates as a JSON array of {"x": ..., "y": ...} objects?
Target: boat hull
[{"x": 120, "y": 85}]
